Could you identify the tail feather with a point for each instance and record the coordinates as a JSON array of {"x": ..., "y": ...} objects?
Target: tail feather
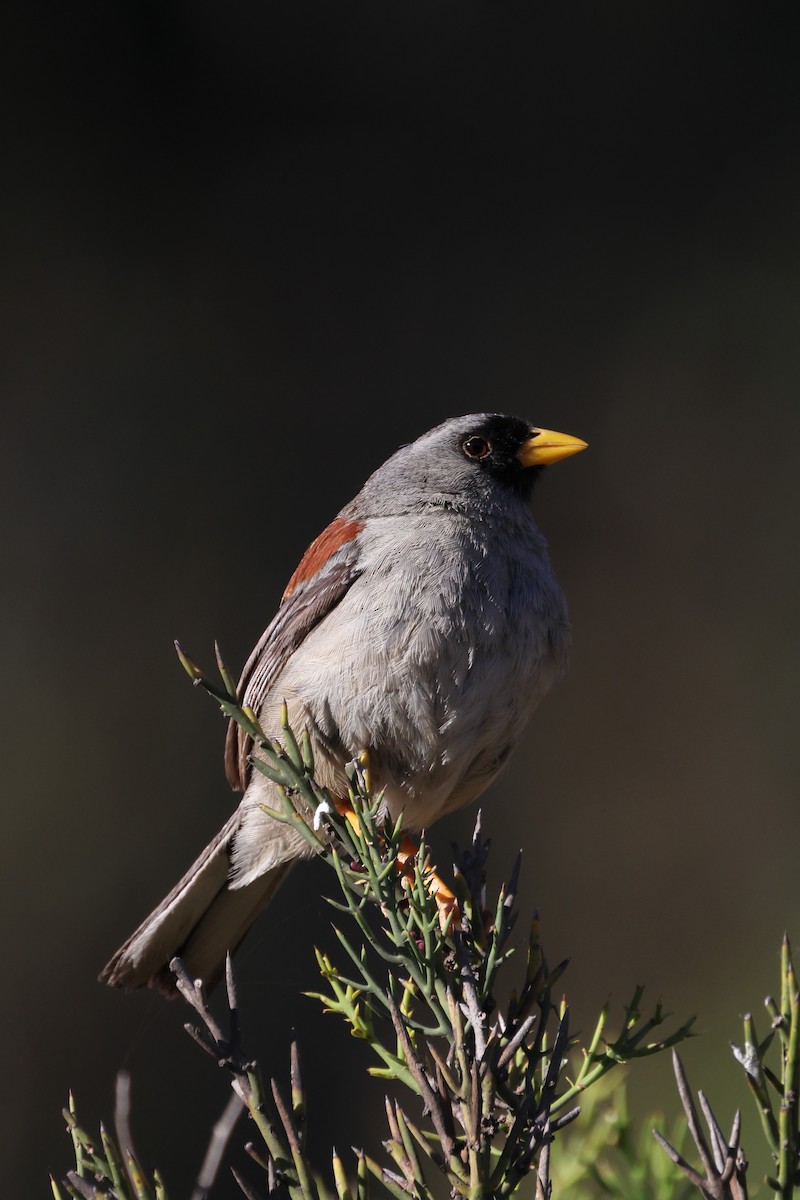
[
  {"x": 201, "y": 919},
  {"x": 221, "y": 929}
]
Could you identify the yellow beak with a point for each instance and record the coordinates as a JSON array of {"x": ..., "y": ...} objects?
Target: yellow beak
[{"x": 545, "y": 446}]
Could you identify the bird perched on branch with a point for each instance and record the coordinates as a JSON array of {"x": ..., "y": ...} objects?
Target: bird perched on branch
[{"x": 424, "y": 625}]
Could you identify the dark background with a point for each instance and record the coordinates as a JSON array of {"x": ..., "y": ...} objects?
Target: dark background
[{"x": 250, "y": 248}]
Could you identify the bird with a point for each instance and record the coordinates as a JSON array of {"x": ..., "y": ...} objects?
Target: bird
[{"x": 423, "y": 626}]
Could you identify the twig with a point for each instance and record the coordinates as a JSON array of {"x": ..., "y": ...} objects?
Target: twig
[
  {"x": 725, "y": 1165},
  {"x": 220, "y": 1136},
  {"x": 122, "y": 1114}
]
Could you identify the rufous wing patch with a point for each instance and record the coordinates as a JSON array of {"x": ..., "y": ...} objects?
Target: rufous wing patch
[{"x": 337, "y": 534}]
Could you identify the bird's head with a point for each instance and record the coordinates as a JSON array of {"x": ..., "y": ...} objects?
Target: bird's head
[{"x": 483, "y": 455}]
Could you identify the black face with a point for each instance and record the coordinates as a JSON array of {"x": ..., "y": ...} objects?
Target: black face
[{"x": 493, "y": 444}]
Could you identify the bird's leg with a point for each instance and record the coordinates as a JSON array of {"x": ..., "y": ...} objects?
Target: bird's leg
[
  {"x": 346, "y": 810},
  {"x": 406, "y": 857},
  {"x": 445, "y": 899}
]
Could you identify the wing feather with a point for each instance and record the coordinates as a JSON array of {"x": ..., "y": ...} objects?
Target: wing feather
[{"x": 308, "y": 600}]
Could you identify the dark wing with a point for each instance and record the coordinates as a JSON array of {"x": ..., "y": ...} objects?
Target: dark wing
[{"x": 326, "y": 572}]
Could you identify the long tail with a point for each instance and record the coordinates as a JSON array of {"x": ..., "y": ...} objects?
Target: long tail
[{"x": 201, "y": 919}]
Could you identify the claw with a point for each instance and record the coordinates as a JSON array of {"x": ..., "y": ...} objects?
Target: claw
[{"x": 446, "y": 902}]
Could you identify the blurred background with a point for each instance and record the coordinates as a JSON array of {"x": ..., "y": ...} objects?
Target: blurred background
[{"x": 248, "y": 250}]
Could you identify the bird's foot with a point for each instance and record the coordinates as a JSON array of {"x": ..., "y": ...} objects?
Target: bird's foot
[{"x": 446, "y": 902}]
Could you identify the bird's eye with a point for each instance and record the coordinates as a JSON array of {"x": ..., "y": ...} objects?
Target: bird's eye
[{"x": 477, "y": 447}]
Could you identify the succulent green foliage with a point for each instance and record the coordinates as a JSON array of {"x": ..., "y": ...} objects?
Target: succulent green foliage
[
  {"x": 776, "y": 1091},
  {"x": 776, "y": 1096},
  {"x": 103, "y": 1169}
]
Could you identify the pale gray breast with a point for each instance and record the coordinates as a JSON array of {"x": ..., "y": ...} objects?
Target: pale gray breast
[{"x": 437, "y": 654}]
